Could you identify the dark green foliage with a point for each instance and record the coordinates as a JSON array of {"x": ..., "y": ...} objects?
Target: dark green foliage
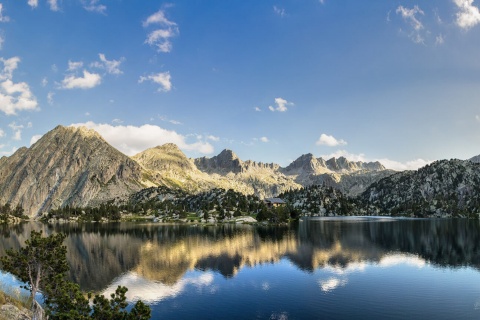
[
  {"x": 114, "y": 309},
  {"x": 39, "y": 262},
  {"x": 42, "y": 265}
]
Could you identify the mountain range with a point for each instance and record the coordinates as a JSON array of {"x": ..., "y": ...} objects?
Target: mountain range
[{"x": 75, "y": 166}]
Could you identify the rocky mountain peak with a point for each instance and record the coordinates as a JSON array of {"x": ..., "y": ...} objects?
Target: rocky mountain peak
[
  {"x": 226, "y": 161},
  {"x": 68, "y": 165}
]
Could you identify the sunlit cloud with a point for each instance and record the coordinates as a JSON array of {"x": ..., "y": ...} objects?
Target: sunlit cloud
[
  {"x": 111, "y": 66},
  {"x": 14, "y": 97},
  {"x": 132, "y": 139},
  {"x": 160, "y": 38},
  {"x": 281, "y": 105},
  {"x": 162, "y": 78},
  {"x": 410, "y": 16},
  {"x": 468, "y": 15},
  {"x": 330, "y": 141},
  {"x": 88, "y": 81}
]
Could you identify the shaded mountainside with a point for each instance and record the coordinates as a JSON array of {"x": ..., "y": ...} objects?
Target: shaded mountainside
[
  {"x": 67, "y": 166},
  {"x": 475, "y": 159},
  {"x": 446, "y": 187}
]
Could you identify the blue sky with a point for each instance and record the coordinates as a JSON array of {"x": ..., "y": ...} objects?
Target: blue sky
[{"x": 394, "y": 81}]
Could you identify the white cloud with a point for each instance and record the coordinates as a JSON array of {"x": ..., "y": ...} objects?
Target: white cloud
[
  {"x": 111, "y": 66},
  {"x": 279, "y": 11},
  {"x": 44, "y": 82},
  {"x": 330, "y": 141},
  {"x": 35, "y": 138},
  {"x": 258, "y": 109},
  {"x": 410, "y": 17},
  {"x": 439, "y": 39},
  {"x": 53, "y": 5},
  {"x": 33, "y": 3},
  {"x": 2, "y": 17},
  {"x": 264, "y": 139},
  {"x": 281, "y": 105},
  {"x": 2, "y": 39},
  {"x": 468, "y": 15},
  {"x": 17, "y": 131},
  {"x": 54, "y": 68},
  {"x": 74, "y": 65},
  {"x": 162, "y": 78},
  {"x": 2, "y": 133},
  {"x": 88, "y": 81},
  {"x": 50, "y": 97},
  {"x": 117, "y": 121},
  {"x": 14, "y": 96},
  {"x": 93, "y": 6},
  {"x": 160, "y": 38},
  {"x": 132, "y": 139},
  {"x": 387, "y": 163},
  {"x": 9, "y": 65},
  {"x": 213, "y": 138},
  {"x": 163, "y": 118},
  {"x": 158, "y": 18}
]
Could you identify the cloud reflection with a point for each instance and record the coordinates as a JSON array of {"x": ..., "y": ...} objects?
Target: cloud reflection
[
  {"x": 140, "y": 288},
  {"x": 331, "y": 284}
]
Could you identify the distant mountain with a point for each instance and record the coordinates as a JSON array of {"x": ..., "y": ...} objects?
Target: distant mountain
[
  {"x": 475, "y": 159},
  {"x": 77, "y": 167},
  {"x": 348, "y": 176},
  {"x": 446, "y": 187},
  {"x": 67, "y": 166}
]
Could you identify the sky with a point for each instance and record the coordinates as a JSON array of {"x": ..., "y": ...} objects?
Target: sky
[{"x": 390, "y": 81}]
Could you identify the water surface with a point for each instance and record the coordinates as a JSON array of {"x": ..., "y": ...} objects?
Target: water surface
[{"x": 332, "y": 268}]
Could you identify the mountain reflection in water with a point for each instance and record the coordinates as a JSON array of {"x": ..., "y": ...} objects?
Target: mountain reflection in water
[{"x": 165, "y": 258}]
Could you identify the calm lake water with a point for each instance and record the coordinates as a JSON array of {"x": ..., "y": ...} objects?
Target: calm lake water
[{"x": 337, "y": 268}]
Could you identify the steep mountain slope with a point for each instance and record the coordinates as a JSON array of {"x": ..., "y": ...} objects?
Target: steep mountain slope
[
  {"x": 442, "y": 188},
  {"x": 68, "y": 165},
  {"x": 167, "y": 165}
]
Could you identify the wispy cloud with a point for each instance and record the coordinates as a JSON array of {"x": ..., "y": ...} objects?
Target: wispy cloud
[
  {"x": 279, "y": 11},
  {"x": 162, "y": 78},
  {"x": 88, "y": 81},
  {"x": 17, "y": 129},
  {"x": 111, "y": 66},
  {"x": 3, "y": 18},
  {"x": 468, "y": 15},
  {"x": 257, "y": 109},
  {"x": 410, "y": 16},
  {"x": 94, "y": 6},
  {"x": 53, "y": 5},
  {"x": 264, "y": 139},
  {"x": 33, "y": 3},
  {"x": 281, "y": 105},
  {"x": 330, "y": 141},
  {"x": 74, "y": 65},
  {"x": 160, "y": 38},
  {"x": 134, "y": 139},
  {"x": 50, "y": 97}
]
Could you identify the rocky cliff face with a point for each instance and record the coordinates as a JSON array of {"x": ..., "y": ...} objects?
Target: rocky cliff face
[
  {"x": 446, "y": 187},
  {"x": 67, "y": 166}
]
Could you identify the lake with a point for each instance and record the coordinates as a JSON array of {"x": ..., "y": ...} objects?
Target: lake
[{"x": 325, "y": 268}]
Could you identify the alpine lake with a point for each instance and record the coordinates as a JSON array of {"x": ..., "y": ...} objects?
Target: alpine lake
[{"x": 317, "y": 268}]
